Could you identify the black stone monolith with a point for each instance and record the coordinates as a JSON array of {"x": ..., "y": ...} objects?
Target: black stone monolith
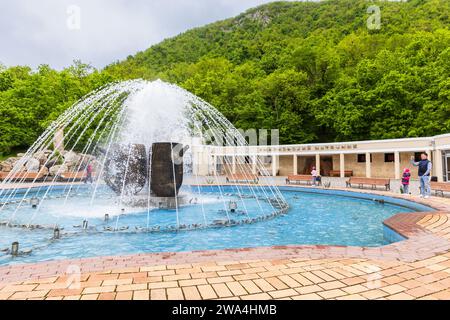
[
  {"x": 126, "y": 168},
  {"x": 166, "y": 169}
]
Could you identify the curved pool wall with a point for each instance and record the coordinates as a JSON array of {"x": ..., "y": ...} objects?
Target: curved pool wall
[
  {"x": 414, "y": 206},
  {"x": 316, "y": 216}
]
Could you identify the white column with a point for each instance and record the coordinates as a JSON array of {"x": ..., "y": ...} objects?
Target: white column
[
  {"x": 254, "y": 162},
  {"x": 439, "y": 166},
  {"x": 295, "y": 165},
  {"x": 318, "y": 163},
  {"x": 58, "y": 140},
  {"x": 430, "y": 155},
  {"x": 397, "y": 165},
  {"x": 368, "y": 166},
  {"x": 274, "y": 165},
  {"x": 342, "y": 164},
  {"x": 215, "y": 165},
  {"x": 233, "y": 164}
]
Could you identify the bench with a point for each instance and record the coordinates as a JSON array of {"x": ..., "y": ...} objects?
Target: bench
[
  {"x": 242, "y": 178},
  {"x": 297, "y": 179},
  {"x": 73, "y": 176},
  {"x": 373, "y": 182},
  {"x": 440, "y": 187},
  {"x": 22, "y": 176},
  {"x": 337, "y": 173}
]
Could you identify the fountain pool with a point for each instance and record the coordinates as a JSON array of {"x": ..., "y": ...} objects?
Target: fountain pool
[{"x": 321, "y": 217}]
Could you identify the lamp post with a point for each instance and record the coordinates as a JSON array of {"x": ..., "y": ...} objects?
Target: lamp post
[
  {"x": 15, "y": 248},
  {"x": 56, "y": 233},
  {"x": 34, "y": 202}
]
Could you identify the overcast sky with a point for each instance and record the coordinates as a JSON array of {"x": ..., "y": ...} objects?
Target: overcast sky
[{"x": 56, "y": 32}]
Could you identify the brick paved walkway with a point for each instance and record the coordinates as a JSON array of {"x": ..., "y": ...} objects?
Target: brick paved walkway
[{"x": 417, "y": 268}]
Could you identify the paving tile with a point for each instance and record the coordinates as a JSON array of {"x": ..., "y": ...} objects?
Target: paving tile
[
  {"x": 89, "y": 297},
  {"x": 330, "y": 294},
  {"x": 131, "y": 287},
  {"x": 191, "y": 293},
  {"x": 236, "y": 288},
  {"x": 104, "y": 289},
  {"x": 352, "y": 297},
  {"x": 400, "y": 296},
  {"x": 107, "y": 296},
  {"x": 309, "y": 296},
  {"x": 29, "y": 294},
  {"x": 332, "y": 285},
  {"x": 164, "y": 284},
  {"x": 174, "y": 294},
  {"x": 393, "y": 289},
  {"x": 124, "y": 295},
  {"x": 250, "y": 286},
  {"x": 257, "y": 296},
  {"x": 206, "y": 291},
  {"x": 222, "y": 290},
  {"x": 283, "y": 293},
  {"x": 158, "y": 294},
  {"x": 193, "y": 282}
]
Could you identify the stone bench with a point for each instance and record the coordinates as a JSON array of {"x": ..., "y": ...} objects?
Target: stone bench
[
  {"x": 242, "y": 178},
  {"x": 22, "y": 176},
  {"x": 300, "y": 178},
  {"x": 337, "y": 173},
  {"x": 373, "y": 182},
  {"x": 440, "y": 187}
]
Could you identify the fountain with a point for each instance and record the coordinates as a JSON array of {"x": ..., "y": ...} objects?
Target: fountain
[{"x": 140, "y": 140}]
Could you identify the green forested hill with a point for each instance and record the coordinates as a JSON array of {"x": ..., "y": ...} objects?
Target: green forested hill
[{"x": 313, "y": 70}]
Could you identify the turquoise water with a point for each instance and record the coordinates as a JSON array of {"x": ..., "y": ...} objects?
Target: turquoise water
[{"x": 327, "y": 217}]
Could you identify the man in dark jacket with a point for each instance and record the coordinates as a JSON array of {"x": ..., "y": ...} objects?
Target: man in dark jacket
[{"x": 425, "y": 167}]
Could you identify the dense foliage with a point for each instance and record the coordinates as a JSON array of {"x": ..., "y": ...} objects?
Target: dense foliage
[{"x": 313, "y": 70}]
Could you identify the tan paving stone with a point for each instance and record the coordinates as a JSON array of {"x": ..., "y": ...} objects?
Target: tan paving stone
[
  {"x": 352, "y": 297},
  {"x": 393, "y": 289},
  {"x": 332, "y": 285},
  {"x": 105, "y": 289},
  {"x": 89, "y": 297},
  {"x": 131, "y": 287},
  {"x": 220, "y": 280},
  {"x": 236, "y": 288},
  {"x": 357, "y": 288},
  {"x": 264, "y": 285},
  {"x": 164, "y": 284},
  {"x": 250, "y": 286},
  {"x": 191, "y": 293},
  {"x": 257, "y": 296},
  {"x": 400, "y": 296},
  {"x": 174, "y": 294},
  {"x": 29, "y": 294},
  {"x": 124, "y": 295},
  {"x": 374, "y": 294},
  {"x": 107, "y": 296},
  {"x": 158, "y": 294},
  {"x": 330, "y": 294},
  {"x": 283, "y": 293},
  {"x": 194, "y": 282},
  {"x": 222, "y": 290},
  {"x": 309, "y": 296}
]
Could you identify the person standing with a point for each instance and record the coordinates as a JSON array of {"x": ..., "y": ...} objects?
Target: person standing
[
  {"x": 425, "y": 167},
  {"x": 405, "y": 180},
  {"x": 88, "y": 174},
  {"x": 314, "y": 175}
]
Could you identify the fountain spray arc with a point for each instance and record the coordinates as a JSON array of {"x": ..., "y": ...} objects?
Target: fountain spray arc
[{"x": 127, "y": 133}]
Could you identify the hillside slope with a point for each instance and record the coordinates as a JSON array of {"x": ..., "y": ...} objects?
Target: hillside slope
[{"x": 314, "y": 70}]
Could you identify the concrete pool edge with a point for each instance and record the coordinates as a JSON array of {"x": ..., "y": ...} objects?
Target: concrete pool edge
[{"x": 420, "y": 244}]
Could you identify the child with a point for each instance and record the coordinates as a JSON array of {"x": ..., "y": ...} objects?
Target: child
[
  {"x": 405, "y": 180},
  {"x": 314, "y": 175}
]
